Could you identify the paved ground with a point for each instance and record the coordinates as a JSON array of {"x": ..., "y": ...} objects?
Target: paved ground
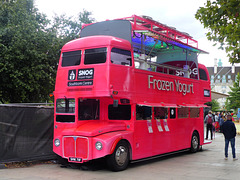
[{"x": 207, "y": 164}]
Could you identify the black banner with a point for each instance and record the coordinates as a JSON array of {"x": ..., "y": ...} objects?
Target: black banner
[
  {"x": 26, "y": 133},
  {"x": 80, "y": 83}
]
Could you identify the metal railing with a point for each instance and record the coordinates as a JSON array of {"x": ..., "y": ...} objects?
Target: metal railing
[{"x": 155, "y": 67}]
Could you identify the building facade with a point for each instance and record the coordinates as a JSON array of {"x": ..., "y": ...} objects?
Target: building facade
[{"x": 222, "y": 78}]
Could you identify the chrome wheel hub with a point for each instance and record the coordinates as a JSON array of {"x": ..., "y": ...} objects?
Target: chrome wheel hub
[
  {"x": 195, "y": 142},
  {"x": 121, "y": 155}
]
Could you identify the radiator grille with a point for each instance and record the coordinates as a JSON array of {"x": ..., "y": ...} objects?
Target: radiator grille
[{"x": 75, "y": 146}]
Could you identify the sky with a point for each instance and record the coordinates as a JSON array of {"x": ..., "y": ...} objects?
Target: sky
[{"x": 176, "y": 13}]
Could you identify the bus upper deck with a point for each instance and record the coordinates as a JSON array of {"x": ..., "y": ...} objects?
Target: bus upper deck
[{"x": 131, "y": 57}]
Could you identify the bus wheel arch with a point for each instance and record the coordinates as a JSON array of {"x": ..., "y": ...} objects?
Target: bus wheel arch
[
  {"x": 195, "y": 142},
  {"x": 119, "y": 159}
]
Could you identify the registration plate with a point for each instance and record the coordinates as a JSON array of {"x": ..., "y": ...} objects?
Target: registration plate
[{"x": 75, "y": 159}]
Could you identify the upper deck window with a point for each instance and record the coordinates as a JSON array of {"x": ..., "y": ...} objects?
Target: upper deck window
[
  {"x": 95, "y": 56},
  {"x": 88, "y": 109},
  {"x": 121, "y": 57},
  {"x": 71, "y": 58},
  {"x": 203, "y": 74}
]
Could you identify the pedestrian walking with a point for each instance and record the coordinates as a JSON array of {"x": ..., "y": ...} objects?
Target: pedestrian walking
[
  {"x": 229, "y": 131},
  {"x": 221, "y": 121},
  {"x": 209, "y": 120}
]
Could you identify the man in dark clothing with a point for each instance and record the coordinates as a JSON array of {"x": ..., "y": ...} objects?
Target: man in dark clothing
[
  {"x": 209, "y": 121},
  {"x": 229, "y": 131}
]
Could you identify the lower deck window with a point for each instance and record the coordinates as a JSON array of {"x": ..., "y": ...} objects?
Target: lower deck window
[
  {"x": 160, "y": 113},
  {"x": 183, "y": 112},
  {"x": 194, "y": 112},
  {"x": 65, "y": 105},
  {"x": 122, "y": 112},
  {"x": 143, "y": 112},
  {"x": 65, "y": 118},
  {"x": 88, "y": 109},
  {"x": 172, "y": 113}
]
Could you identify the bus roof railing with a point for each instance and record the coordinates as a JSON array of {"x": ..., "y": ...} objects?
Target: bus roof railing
[
  {"x": 170, "y": 35},
  {"x": 154, "y": 28},
  {"x": 163, "y": 66}
]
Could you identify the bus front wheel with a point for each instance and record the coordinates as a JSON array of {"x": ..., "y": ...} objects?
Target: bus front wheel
[
  {"x": 119, "y": 159},
  {"x": 194, "y": 142}
]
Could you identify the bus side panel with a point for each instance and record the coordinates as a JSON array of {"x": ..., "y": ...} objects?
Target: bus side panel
[
  {"x": 174, "y": 134},
  {"x": 143, "y": 140},
  {"x": 166, "y": 89},
  {"x": 108, "y": 140},
  {"x": 121, "y": 80}
]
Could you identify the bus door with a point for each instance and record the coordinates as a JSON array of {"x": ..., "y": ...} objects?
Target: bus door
[
  {"x": 162, "y": 130},
  {"x": 184, "y": 124},
  {"x": 143, "y": 132}
]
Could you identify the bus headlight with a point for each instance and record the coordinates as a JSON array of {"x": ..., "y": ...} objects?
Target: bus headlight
[
  {"x": 57, "y": 142},
  {"x": 98, "y": 145}
]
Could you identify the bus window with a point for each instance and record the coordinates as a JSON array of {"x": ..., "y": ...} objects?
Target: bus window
[
  {"x": 65, "y": 105},
  {"x": 160, "y": 113},
  {"x": 183, "y": 112},
  {"x": 202, "y": 74},
  {"x": 122, "y": 112},
  {"x": 172, "y": 113},
  {"x": 143, "y": 112},
  {"x": 88, "y": 109},
  {"x": 121, "y": 57},
  {"x": 194, "y": 112},
  {"x": 65, "y": 118},
  {"x": 71, "y": 58},
  {"x": 95, "y": 56}
]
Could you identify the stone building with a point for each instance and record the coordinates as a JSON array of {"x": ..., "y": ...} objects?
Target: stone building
[{"x": 222, "y": 78}]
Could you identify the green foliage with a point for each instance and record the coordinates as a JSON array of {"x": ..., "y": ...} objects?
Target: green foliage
[
  {"x": 68, "y": 28},
  {"x": 234, "y": 95},
  {"x": 227, "y": 105},
  {"x": 30, "y": 49},
  {"x": 222, "y": 19},
  {"x": 215, "y": 106}
]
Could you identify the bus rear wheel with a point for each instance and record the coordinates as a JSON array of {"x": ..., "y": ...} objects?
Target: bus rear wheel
[
  {"x": 194, "y": 143},
  {"x": 119, "y": 159}
]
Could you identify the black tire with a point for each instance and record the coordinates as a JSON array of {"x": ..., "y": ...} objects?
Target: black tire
[
  {"x": 194, "y": 142},
  {"x": 119, "y": 159}
]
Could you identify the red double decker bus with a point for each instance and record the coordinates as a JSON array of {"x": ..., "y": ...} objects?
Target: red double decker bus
[{"x": 129, "y": 89}]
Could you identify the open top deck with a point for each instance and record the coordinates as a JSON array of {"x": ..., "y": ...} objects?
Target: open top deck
[{"x": 156, "y": 46}]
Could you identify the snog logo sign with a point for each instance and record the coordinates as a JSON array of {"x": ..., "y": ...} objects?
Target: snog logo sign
[
  {"x": 84, "y": 77},
  {"x": 72, "y": 75},
  {"x": 85, "y": 74}
]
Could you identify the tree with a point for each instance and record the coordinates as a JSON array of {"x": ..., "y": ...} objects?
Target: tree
[
  {"x": 222, "y": 19},
  {"x": 234, "y": 95},
  {"x": 68, "y": 28},
  {"x": 215, "y": 106},
  {"x": 30, "y": 48},
  {"x": 27, "y": 48},
  {"x": 227, "y": 105}
]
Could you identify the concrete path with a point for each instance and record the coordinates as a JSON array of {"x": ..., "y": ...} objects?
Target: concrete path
[{"x": 207, "y": 164}]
